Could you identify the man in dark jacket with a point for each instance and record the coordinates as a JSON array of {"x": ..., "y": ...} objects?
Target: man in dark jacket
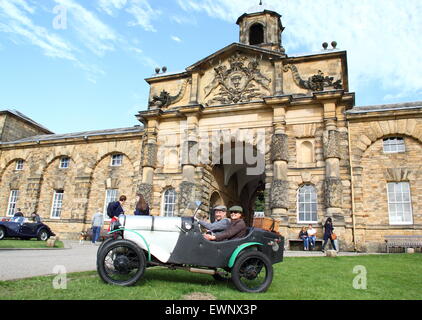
[
  {"x": 115, "y": 209},
  {"x": 237, "y": 227}
]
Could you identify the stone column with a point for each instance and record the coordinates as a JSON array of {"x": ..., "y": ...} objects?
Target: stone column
[
  {"x": 33, "y": 189},
  {"x": 80, "y": 212},
  {"x": 332, "y": 185},
  {"x": 279, "y": 195},
  {"x": 149, "y": 160},
  {"x": 189, "y": 188}
]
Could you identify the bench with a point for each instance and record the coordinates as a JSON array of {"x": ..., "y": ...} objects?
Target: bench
[
  {"x": 403, "y": 242},
  {"x": 87, "y": 235},
  {"x": 298, "y": 244}
]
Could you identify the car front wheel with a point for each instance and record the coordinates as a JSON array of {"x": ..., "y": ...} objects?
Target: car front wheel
[
  {"x": 252, "y": 272},
  {"x": 121, "y": 262},
  {"x": 42, "y": 235},
  {"x": 2, "y": 233}
]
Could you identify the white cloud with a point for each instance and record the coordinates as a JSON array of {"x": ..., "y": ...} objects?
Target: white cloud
[
  {"x": 95, "y": 35},
  {"x": 143, "y": 14},
  {"x": 109, "y": 6},
  {"x": 17, "y": 23},
  {"x": 175, "y": 38},
  {"x": 382, "y": 37},
  {"x": 140, "y": 10}
]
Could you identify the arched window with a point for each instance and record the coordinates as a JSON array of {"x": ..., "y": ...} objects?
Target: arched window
[
  {"x": 307, "y": 204},
  {"x": 256, "y": 34},
  {"x": 169, "y": 202}
]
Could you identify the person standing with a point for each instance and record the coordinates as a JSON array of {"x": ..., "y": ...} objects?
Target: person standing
[
  {"x": 115, "y": 209},
  {"x": 142, "y": 207},
  {"x": 97, "y": 225},
  {"x": 328, "y": 232}
]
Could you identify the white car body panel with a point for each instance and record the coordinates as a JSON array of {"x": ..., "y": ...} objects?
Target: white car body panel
[{"x": 166, "y": 229}]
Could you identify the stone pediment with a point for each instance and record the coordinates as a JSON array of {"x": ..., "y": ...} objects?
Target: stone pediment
[
  {"x": 236, "y": 74},
  {"x": 229, "y": 50}
]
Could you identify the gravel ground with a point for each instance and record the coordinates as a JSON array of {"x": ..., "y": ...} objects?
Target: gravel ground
[{"x": 19, "y": 264}]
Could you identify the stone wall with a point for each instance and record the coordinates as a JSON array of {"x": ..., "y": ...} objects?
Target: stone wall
[
  {"x": 84, "y": 183},
  {"x": 13, "y": 128},
  {"x": 373, "y": 169}
]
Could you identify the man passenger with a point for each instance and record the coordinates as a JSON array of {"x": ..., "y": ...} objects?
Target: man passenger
[{"x": 237, "y": 227}]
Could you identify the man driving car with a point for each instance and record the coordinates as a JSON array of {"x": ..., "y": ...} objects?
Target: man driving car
[{"x": 221, "y": 222}]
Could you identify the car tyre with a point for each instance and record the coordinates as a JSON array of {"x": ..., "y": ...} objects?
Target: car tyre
[
  {"x": 42, "y": 235},
  {"x": 2, "y": 233},
  {"x": 121, "y": 262},
  {"x": 252, "y": 272}
]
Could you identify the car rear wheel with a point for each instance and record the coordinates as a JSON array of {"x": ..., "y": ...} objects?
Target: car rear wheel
[
  {"x": 252, "y": 272},
  {"x": 121, "y": 262},
  {"x": 42, "y": 235},
  {"x": 2, "y": 233}
]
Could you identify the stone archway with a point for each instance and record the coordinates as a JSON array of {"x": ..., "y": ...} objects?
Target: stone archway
[{"x": 237, "y": 179}]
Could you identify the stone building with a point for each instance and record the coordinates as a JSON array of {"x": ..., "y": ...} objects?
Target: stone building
[{"x": 247, "y": 119}]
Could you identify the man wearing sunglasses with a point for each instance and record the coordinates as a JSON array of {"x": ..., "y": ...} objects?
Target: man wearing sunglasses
[{"x": 237, "y": 227}]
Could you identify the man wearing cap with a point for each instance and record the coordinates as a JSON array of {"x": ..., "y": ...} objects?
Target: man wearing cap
[
  {"x": 237, "y": 227},
  {"x": 221, "y": 222}
]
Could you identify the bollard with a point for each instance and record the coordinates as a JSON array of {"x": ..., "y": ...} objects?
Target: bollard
[{"x": 331, "y": 253}]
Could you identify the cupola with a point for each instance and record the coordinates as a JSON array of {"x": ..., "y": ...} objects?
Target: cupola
[{"x": 262, "y": 28}]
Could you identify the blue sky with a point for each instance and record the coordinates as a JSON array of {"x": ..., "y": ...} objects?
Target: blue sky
[{"x": 76, "y": 65}]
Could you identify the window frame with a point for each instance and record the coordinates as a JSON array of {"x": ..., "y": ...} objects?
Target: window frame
[
  {"x": 393, "y": 144},
  {"x": 19, "y": 165},
  {"x": 391, "y": 202},
  {"x": 57, "y": 204},
  {"x": 11, "y": 206},
  {"x": 164, "y": 203},
  {"x": 64, "y": 160},
  {"x": 310, "y": 202},
  {"x": 114, "y": 162}
]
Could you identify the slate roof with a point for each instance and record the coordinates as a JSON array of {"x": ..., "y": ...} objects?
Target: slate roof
[
  {"x": 386, "y": 107},
  {"x": 47, "y": 137}
]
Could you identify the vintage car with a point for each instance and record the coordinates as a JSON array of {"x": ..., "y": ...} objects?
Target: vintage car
[
  {"x": 24, "y": 231},
  {"x": 141, "y": 242}
]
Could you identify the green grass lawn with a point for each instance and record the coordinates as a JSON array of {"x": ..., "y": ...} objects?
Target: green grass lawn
[
  {"x": 395, "y": 276},
  {"x": 27, "y": 244}
]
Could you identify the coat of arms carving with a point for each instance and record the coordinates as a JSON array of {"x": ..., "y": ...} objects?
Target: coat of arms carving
[{"x": 242, "y": 82}]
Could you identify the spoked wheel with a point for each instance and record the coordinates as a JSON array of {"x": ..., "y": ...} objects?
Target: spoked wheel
[
  {"x": 2, "y": 233},
  {"x": 252, "y": 272},
  {"x": 121, "y": 262}
]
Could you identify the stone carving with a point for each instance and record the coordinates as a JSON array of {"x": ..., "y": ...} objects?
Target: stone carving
[
  {"x": 279, "y": 196},
  {"x": 189, "y": 192},
  {"x": 332, "y": 145},
  {"x": 165, "y": 99},
  {"x": 150, "y": 155},
  {"x": 279, "y": 147},
  {"x": 237, "y": 84},
  {"x": 317, "y": 82},
  {"x": 333, "y": 193}
]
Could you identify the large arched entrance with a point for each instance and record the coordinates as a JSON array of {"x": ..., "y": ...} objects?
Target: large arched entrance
[{"x": 239, "y": 176}]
